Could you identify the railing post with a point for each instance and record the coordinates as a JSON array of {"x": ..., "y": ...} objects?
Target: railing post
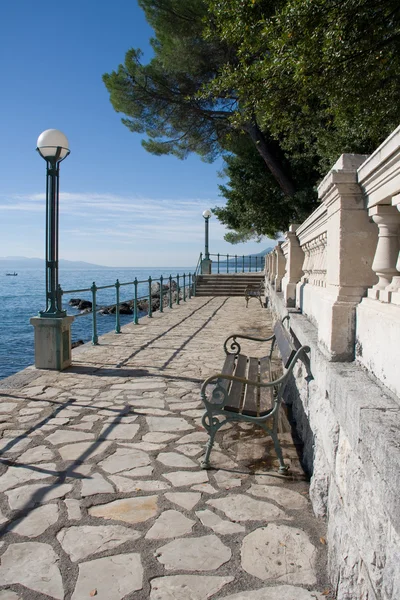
[
  {"x": 218, "y": 261},
  {"x": 256, "y": 263},
  {"x": 95, "y": 338},
  {"x": 161, "y": 294},
  {"x": 117, "y": 319},
  {"x": 150, "y": 308},
  {"x": 135, "y": 299},
  {"x": 190, "y": 285},
  {"x": 184, "y": 287},
  {"x": 194, "y": 284},
  {"x": 227, "y": 263},
  {"x": 242, "y": 263},
  {"x": 235, "y": 263},
  {"x": 250, "y": 263},
  {"x": 170, "y": 291},
  {"x": 177, "y": 289}
]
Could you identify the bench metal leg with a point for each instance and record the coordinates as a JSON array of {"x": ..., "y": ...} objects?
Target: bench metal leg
[
  {"x": 283, "y": 469},
  {"x": 211, "y": 425}
]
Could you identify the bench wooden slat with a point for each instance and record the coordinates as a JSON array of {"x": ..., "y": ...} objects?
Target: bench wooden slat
[
  {"x": 251, "y": 401},
  {"x": 235, "y": 394},
  {"x": 227, "y": 369},
  {"x": 284, "y": 343},
  {"x": 266, "y": 394}
]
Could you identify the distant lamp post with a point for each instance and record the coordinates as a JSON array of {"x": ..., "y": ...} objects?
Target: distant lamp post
[
  {"x": 206, "y": 263},
  {"x": 52, "y": 327}
]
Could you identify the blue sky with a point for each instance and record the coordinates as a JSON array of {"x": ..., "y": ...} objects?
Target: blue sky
[{"x": 119, "y": 205}]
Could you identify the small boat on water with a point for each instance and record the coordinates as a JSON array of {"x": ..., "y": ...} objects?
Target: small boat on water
[{"x": 11, "y": 274}]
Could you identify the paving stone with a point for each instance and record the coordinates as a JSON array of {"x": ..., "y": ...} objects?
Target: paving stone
[
  {"x": 121, "y": 419},
  {"x": 91, "y": 418},
  {"x": 271, "y": 479},
  {"x": 33, "y": 565},
  {"x": 243, "y": 508},
  {"x": 9, "y": 445},
  {"x": 190, "y": 449},
  {"x": 3, "y": 519},
  {"x": 9, "y": 595},
  {"x": 286, "y": 498},
  {"x": 17, "y": 475},
  {"x": 187, "y": 587},
  {"x": 113, "y": 577},
  {"x": 126, "y": 485},
  {"x": 145, "y": 446},
  {"x": 7, "y": 407},
  {"x": 205, "y": 487},
  {"x": 170, "y": 524},
  {"x": 222, "y": 461},
  {"x": 30, "y": 411},
  {"x": 36, "y": 521},
  {"x": 83, "y": 450},
  {"x": 227, "y": 480},
  {"x": 123, "y": 459},
  {"x": 120, "y": 431},
  {"x": 82, "y": 541},
  {"x": 168, "y": 424},
  {"x": 280, "y": 592},
  {"x": 142, "y": 384},
  {"x": 145, "y": 402},
  {"x": 59, "y": 420},
  {"x": 36, "y": 454},
  {"x": 173, "y": 459},
  {"x": 96, "y": 484},
  {"x": 65, "y": 436},
  {"x": 197, "y": 436},
  {"x": 186, "y": 478},
  {"x": 184, "y": 405},
  {"x": 73, "y": 509},
  {"x": 281, "y": 554},
  {"x": 129, "y": 510},
  {"x": 205, "y": 553},
  {"x": 138, "y": 472},
  {"x": 184, "y": 499},
  {"x": 218, "y": 525},
  {"x": 29, "y": 495},
  {"x": 157, "y": 412},
  {"x": 83, "y": 426},
  {"x": 157, "y": 437}
]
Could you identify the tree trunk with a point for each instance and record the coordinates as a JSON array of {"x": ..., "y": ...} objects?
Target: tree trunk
[{"x": 273, "y": 163}]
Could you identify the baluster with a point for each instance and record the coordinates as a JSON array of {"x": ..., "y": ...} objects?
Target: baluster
[
  {"x": 243, "y": 263},
  {"x": 235, "y": 263},
  {"x": 95, "y": 338},
  {"x": 194, "y": 284},
  {"x": 190, "y": 286},
  {"x": 250, "y": 263},
  {"x": 256, "y": 263},
  {"x": 184, "y": 287},
  {"x": 161, "y": 294},
  {"x": 227, "y": 263},
  {"x": 150, "y": 308},
  {"x": 135, "y": 301},
  {"x": 218, "y": 261},
  {"x": 117, "y": 319},
  {"x": 170, "y": 292},
  {"x": 177, "y": 289}
]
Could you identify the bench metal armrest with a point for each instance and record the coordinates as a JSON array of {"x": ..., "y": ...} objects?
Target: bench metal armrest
[{"x": 235, "y": 346}]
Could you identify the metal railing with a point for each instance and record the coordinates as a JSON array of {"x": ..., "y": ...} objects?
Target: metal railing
[
  {"x": 228, "y": 263},
  {"x": 184, "y": 290}
]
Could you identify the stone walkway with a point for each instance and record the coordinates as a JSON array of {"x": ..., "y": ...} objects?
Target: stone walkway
[{"x": 101, "y": 494}]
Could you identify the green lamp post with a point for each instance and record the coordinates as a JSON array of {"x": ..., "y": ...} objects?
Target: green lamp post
[
  {"x": 52, "y": 327},
  {"x": 52, "y": 145},
  {"x": 206, "y": 262}
]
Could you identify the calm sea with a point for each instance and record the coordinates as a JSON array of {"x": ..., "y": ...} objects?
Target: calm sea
[{"x": 23, "y": 296}]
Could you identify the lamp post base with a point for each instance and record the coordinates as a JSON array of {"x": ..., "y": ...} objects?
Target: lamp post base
[
  {"x": 52, "y": 342},
  {"x": 206, "y": 266}
]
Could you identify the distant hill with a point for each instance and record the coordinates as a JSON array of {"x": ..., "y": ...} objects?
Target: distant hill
[{"x": 14, "y": 263}]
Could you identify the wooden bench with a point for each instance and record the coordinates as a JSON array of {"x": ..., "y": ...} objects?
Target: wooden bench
[
  {"x": 245, "y": 389},
  {"x": 254, "y": 291}
]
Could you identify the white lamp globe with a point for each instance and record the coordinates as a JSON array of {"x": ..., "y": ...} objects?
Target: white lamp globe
[
  {"x": 207, "y": 214},
  {"x": 49, "y": 141}
]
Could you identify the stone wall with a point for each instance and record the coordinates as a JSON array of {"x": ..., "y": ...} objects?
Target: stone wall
[
  {"x": 338, "y": 274},
  {"x": 350, "y": 429}
]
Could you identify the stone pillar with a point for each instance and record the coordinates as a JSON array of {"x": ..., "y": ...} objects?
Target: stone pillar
[
  {"x": 350, "y": 243},
  {"x": 280, "y": 267},
  {"x": 273, "y": 267},
  {"x": 387, "y": 250},
  {"x": 394, "y": 287},
  {"x": 294, "y": 264},
  {"x": 206, "y": 266},
  {"x": 52, "y": 342}
]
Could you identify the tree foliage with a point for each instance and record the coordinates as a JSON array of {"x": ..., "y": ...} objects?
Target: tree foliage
[{"x": 280, "y": 88}]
